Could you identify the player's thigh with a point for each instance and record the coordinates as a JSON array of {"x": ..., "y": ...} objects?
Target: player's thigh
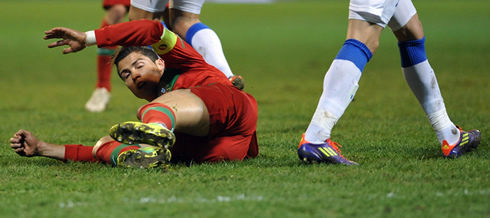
[
  {"x": 139, "y": 14},
  {"x": 191, "y": 113},
  {"x": 184, "y": 14},
  {"x": 182, "y": 21},
  {"x": 412, "y": 30},
  {"x": 181, "y": 100},
  {"x": 404, "y": 12},
  {"x": 405, "y": 23},
  {"x": 378, "y": 12}
]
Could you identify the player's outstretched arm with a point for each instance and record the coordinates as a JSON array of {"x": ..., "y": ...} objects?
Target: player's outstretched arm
[
  {"x": 133, "y": 33},
  {"x": 73, "y": 38},
  {"x": 26, "y": 144}
]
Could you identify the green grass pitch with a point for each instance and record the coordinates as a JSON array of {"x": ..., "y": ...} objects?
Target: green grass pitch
[{"x": 283, "y": 51}]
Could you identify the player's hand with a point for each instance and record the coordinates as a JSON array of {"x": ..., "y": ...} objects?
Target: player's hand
[
  {"x": 25, "y": 143},
  {"x": 73, "y": 38}
]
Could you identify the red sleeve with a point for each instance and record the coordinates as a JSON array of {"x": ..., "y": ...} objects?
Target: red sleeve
[{"x": 132, "y": 33}]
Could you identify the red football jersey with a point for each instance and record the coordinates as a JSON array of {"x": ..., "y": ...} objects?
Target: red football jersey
[{"x": 177, "y": 54}]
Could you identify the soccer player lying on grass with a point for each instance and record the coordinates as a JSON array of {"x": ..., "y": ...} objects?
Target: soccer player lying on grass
[{"x": 212, "y": 120}]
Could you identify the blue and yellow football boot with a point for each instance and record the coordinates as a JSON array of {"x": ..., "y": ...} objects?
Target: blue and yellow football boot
[
  {"x": 467, "y": 142},
  {"x": 326, "y": 152}
]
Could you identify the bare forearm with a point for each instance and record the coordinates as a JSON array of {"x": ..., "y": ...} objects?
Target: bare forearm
[{"x": 52, "y": 151}]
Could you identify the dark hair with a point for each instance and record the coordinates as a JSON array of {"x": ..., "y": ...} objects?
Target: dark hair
[{"x": 125, "y": 51}]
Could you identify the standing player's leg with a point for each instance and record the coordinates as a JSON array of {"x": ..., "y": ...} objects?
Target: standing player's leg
[
  {"x": 101, "y": 95},
  {"x": 422, "y": 80},
  {"x": 149, "y": 10},
  {"x": 341, "y": 81},
  {"x": 184, "y": 18}
]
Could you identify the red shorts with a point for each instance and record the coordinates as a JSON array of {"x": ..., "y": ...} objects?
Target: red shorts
[
  {"x": 233, "y": 122},
  {"x": 109, "y": 3}
]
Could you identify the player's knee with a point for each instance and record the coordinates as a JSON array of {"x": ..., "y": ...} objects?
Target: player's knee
[
  {"x": 181, "y": 27},
  {"x": 138, "y": 112},
  {"x": 373, "y": 45},
  {"x": 181, "y": 21},
  {"x": 99, "y": 143},
  {"x": 412, "y": 30}
]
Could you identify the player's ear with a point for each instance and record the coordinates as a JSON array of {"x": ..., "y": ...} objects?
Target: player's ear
[{"x": 160, "y": 63}]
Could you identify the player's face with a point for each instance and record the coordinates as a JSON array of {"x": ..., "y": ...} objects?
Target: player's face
[{"x": 141, "y": 75}]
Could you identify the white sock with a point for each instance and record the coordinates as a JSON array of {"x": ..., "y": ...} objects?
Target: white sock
[
  {"x": 207, "y": 43},
  {"x": 423, "y": 83},
  {"x": 339, "y": 87}
]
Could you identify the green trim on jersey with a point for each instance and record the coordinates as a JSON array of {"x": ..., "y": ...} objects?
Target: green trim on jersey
[
  {"x": 170, "y": 86},
  {"x": 106, "y": 51}
]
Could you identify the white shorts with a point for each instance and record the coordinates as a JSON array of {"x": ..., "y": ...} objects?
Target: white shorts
[
  {"x": 191, "y": 6},
  {"x": 394, "y": 13},
  {"x": 150, "y": 5}
]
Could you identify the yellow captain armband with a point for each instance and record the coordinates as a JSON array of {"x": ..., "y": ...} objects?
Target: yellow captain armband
[{"x": 166, "y": 43}]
